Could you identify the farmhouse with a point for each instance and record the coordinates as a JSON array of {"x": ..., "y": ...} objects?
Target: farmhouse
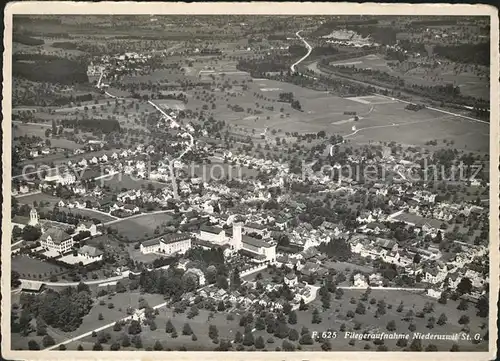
[
  {"x": 169, "y": 244},
  {"x": 90, "y": 253}
]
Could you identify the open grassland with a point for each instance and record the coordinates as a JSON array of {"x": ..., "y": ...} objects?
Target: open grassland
[
  {"x": 31, "y": 268},
  {"x": 417, "y": 71},
  {"x": 142, "y": 227}
]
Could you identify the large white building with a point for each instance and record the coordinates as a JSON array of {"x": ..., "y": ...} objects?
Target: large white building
[
  {"x": 55, "y": 239},
  {"x": 211, "y": 234},
  {"x": 59, "y": 177},
  {"x": 176, "y": 243},
  {"x": 259, "y": 250}
]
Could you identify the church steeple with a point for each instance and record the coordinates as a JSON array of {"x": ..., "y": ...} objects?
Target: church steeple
[{"x": 33, "y": 217}]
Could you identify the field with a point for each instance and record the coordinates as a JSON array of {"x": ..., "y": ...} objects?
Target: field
[
  {"x": 470, "y": 82},
  {"x": 39, "y": 197},
  {"x": 89, "y": 213},
  {"x": 119, "y": 181},
  {"x": 24, "y": 264},
  {"x": 389, "y": 118},
  {"x": 120, "y": 301},
  {"x": 39, "y": 130},
  {"x": 331, "y": 319},
  {"x": 142, "y": 227}
]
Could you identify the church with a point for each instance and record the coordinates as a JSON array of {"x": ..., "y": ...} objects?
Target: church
[
  {"x": 260, "y": 250},
  {"x": 21, "y": 221}
]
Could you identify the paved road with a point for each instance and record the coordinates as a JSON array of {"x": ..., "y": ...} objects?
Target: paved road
[
  {"x": 72, "y": 284},
  {"x": 439, "y": 110},
  {"x": 136, "y": 216},
  {"x": 309, "y": 50},
  {"x": 389, "y": 125}
]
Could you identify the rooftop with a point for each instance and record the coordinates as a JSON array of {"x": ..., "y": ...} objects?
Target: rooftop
[
  {"x": 57, "y": 235},
  {"x": 211, "y": 229},
  {"x": 256, "y": 242},
  {"x": 89, "y": 250}
]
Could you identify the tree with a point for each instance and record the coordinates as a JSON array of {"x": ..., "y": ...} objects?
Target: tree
[
  {"x": 465, "y": 286},
  {"x": 391, "y": 326},
  {"x": 48, "y": 341},
  {"x": 137, "y": 341},
  {"x": 287, "y": 346},
  {"x": 326, "y": 345},
  {"x": 431, "y": 347},
  {"x": 14, "y": 279},
  {"x": 259, "y": 343},
  {"x": 443, "y": 299},
  {"x": 442, "y": 319},
  {"x": 292, "y": 318},
  {"x": 412, "y": 327},
  {"x": 213, "y": 333},
  {"x": 100, "y": 317},
  {"x": 80, "y": 348},
  {"x": 169, "y": 328},
  {"x": 463, "y": 305},
  {"x": 152, "y": 325},
  {"x": 158, "y": 346},
  {"x": 115, "y": 346},
  {"x": 293, "y": 335},
  {"x": 454, "y": 348},
  {"x": 33, "y": 345},
  {"x": 416, "y": 345},
  {"x": 238, "y": 337},
  {"x": 117, "y": 327},
  {"x": 248, "y": 339},
  {"x": 125, "y": 340},
  {"x": 41, "y": 327},
  {"x": 302, "y": 305},
  {"x": 134, "y": 328},
  {"x": 482, "y": 307},
  {"x": 306, "y": 339},
  {"x": 360, "y": 309},
  {"x": 430, "y": 322},
  {"x": 463, "y": 320},
  {"x": 120, "y": 288},
  {"x": 402, "y": 342},
  {"x": 97, "y": 346},
  {"x": 186, "y": 330},
  {"x": 316, "y": 318}
]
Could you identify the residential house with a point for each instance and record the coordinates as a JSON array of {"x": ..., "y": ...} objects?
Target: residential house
[
  {"x": 291, "y": 279},
  {"x": 87, "y": 226},
  {"x": 90, "y": 253}
]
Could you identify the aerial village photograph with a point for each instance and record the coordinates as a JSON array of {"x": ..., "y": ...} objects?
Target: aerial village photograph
[{"x": 250, "y": 183}]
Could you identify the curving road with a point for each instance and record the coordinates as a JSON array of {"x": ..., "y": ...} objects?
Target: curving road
[{"x": 309, "y": 50}]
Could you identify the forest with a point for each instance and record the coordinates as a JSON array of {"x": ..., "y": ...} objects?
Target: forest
[
  {"x": 93, "y": 124},
  {"x": 26, "y": 40},
  {"x": 466, "y": 53},
  {"x": 47, "y": 68}
]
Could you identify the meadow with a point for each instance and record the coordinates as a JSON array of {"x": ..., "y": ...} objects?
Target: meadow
[{"x": 142, "y": 227}]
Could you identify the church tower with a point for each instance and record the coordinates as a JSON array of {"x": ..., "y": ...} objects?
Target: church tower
[
  {"x": 237, "y": 238},
  {"x": 33, "y": 217}
]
